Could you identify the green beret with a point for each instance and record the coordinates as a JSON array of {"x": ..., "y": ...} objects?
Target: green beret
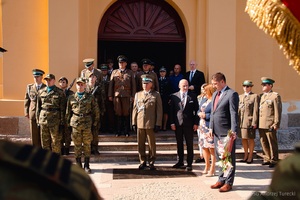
[{"x": 267, "y": 80}]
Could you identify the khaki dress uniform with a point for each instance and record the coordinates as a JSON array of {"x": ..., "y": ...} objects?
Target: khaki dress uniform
[
  {"x": 30, "y": 109},
  {"x": 248, "y": 114},
  {"x": 82, "y": 114},
  {"x": 147, "y": 113},
  {"x": 270, "y": 109},
  {"x": 50, "y": 116},
  {"x": 122, "y": 87}
]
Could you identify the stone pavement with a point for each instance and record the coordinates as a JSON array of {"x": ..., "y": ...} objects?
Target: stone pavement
[{"x": 249, "y": 178}]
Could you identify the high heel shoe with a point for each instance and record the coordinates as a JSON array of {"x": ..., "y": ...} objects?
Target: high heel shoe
[
  {"x": 249, "y": 162},
  {"x": 242, "y": 160},
  {"x": 210, "y": 174},
  {"x": 204, "y": 172}
]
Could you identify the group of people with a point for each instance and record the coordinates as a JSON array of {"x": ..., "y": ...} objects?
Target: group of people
[{"x": 147, "y": 102}]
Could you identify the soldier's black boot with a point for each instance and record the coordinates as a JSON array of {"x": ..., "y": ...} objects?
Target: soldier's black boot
[
  {"x": 95, "y": 150},
  {"x": 87, "y": 165},
  {"x": 67, "y": 151},
  {"x": 126, "y": 126},
  {"x": 78, "y": 162}
]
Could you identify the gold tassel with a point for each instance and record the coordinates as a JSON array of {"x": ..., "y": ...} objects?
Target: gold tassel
[{"x": 275, "y": 19}]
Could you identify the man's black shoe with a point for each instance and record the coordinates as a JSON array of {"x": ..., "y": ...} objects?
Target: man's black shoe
[
  {"x": 142, "y": 166},
  {"x": 199, "y": 160},
  {"x": 178, "y": 165},
  {"x": 151, "y": 166},
  {"x": 127, "y": 134},
  {"x": 266, "y": 163},
  {"x": 272, "y": 165},
  {"x": 189, "y": 168}
]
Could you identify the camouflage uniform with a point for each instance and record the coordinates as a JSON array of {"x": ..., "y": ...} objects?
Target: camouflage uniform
[
  {"x": 30, "y": 111},
  {"x": 29, "y": 172},
  {"x": 82, "y": 113},
  {"x": 50, "y": 117}
]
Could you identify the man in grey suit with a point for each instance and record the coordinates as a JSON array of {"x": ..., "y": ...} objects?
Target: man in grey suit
[
  {"x": 184, "y": 121},
  {"x": 224, "y": 117}
]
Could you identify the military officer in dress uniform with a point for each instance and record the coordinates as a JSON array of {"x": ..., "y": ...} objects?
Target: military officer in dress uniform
[
  {"x": 82, "y": 115},
  {"x": 89, "y": 68},
  {"x": 50, "y": 114},
  {"x": 121, "y": 91},
  {"x": 147, "y": 119},
  {"x": 146, "y": 63},
  {"x": 248, "y": 115},
  {"x": 65, "y": 132},
  {"x": 270, "y": 109},
  {"x": 32, "y": 91}
]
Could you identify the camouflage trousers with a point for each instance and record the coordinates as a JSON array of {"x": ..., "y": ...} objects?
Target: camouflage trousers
[
  {"x": 51, "y": 138},
  {"x": 82, "y": 139},
  {"x": 66, "y": 137}
]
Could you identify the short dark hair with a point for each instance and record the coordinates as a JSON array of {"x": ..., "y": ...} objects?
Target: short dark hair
[{"x": 219, "y": 77}]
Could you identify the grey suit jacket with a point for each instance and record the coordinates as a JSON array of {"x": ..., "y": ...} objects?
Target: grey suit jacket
[{"x": 225, "y": 117}]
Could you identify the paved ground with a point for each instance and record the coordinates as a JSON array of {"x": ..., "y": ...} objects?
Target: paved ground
[{"x": 249, "y": 178}]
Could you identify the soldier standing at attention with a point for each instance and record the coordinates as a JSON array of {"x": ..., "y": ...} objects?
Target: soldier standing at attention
[
  {"x": 65, "y": 132},
  {"x": 97, "y": 90},
  {"x": 146, "y": 120},
  {"x": 32, "y": 91},
  {"x": 50, "y": 114},
  {"x": 121, "y": 91},
  {"x": 89, "y": 68},
  {"x": 82, "y": 115},
  {"x": 270, "y": 109}
]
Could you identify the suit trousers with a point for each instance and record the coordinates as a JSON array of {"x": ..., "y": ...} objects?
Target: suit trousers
[
  {"x": 269, "y": 143},
  {"x": 188, "y": 134},
  {"x": 230, "y": 177},
  {"x": 35, "y": 133},
  {"x": 142, "y": 134}
]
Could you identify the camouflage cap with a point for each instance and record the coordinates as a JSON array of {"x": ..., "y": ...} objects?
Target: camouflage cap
[
  {"x": 63, "y": 79},
  {"x": 80, "y": 80},
  {"x": 49, "y": 76}
]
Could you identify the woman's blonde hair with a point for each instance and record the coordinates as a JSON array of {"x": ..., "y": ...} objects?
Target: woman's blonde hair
[{"x": 209, "y": 90}]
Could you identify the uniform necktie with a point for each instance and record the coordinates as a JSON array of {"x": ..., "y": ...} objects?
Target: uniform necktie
[
  {"x": 182, "y": 99},
  {"x": 191, "y": 75},
  {"x": 217, "y": 99}
]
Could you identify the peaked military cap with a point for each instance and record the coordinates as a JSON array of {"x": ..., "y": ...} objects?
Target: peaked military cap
[
  {"x": 146, "y": 78},
  {"x": 247, "y": 83},
  {"x": 80, "y": 80},
  {"x": 38, "y": 72},
  {"x": 162, "y": 69},
  {"x": 146, "y": 61},
  {"x": 103, "y": 67},
  {"x": 88, "y": 62},
  {"x": 122, "y": 58},
  {"x": 49, "y": 76},
  {"x": 267, "y": 80}
]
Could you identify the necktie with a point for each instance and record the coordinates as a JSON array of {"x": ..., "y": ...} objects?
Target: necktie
[
  {"x": 182, "y": 100},
  {"x": 191, "y": 75},
  {"x": 38, "y": 87},
  {"x": 217, "y": 100}
]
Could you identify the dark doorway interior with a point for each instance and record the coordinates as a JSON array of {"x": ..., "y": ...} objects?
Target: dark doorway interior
[{"x": 162, "y": 53}]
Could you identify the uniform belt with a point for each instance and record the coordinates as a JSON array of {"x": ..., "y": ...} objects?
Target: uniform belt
[
  {"x": 82, "y": 114},
  {"x": 51, "y": 109}
]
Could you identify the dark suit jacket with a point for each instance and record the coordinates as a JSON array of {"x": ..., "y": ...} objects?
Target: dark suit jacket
[
  {"x": 197, "y": 81},
  {"x": 188, "y": 114},
  {"x": 225, "y": 117}
]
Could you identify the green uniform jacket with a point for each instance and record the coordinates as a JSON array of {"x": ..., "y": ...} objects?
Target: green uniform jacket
[
  {"x": 82, "y": 112},
  {"x": 31, "y": 99},
  {"x": 248, "y": 110},
  {"x": 51, "y": 107}
]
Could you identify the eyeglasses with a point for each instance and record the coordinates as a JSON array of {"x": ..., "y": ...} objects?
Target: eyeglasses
[{"x": 246, "y": 86}]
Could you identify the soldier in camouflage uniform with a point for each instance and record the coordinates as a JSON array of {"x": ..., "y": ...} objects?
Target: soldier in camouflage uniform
[
  {"x": 29, "y": 172},
  {"x": 82, "y": 115},
  {"x": 50, "y": 114},
  {"x": 32, "y": 91},
  {"x": 65, "y": 132},
  {"x": 98, "y": 91},
  {"x": 121, "y": 91}
]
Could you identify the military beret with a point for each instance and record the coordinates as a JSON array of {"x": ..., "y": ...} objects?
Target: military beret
[
  {"x": 247, "y": 83},
  {"x": 63, "y": 79},
  {"x": 146, "y": 61},
  {"x": 146, "y": 78},
  {"x": 80, "y": 80},
  {"x": 49, "y": 76},
  {"x": 162, "y": 69},
  {"x": 103, "y": 67},
  {"x": 38, "y": 72},
  {"x": 267, "y": 80},
  {"x": 122, "y": 58},
  {"x": 88, "y": 62}
]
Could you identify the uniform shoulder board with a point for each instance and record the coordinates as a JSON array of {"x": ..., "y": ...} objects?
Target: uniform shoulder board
[{"x": 43, "y": 173}]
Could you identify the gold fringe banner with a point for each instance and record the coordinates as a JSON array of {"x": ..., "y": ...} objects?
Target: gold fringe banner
[{"x": 275, "y": 18}]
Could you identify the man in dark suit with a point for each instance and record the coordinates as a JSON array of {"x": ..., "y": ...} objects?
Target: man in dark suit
[
  {"x": 224, "y": 117},
  {"x": 184, "y": 121},
  {"x": 195, "y": 78}
]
